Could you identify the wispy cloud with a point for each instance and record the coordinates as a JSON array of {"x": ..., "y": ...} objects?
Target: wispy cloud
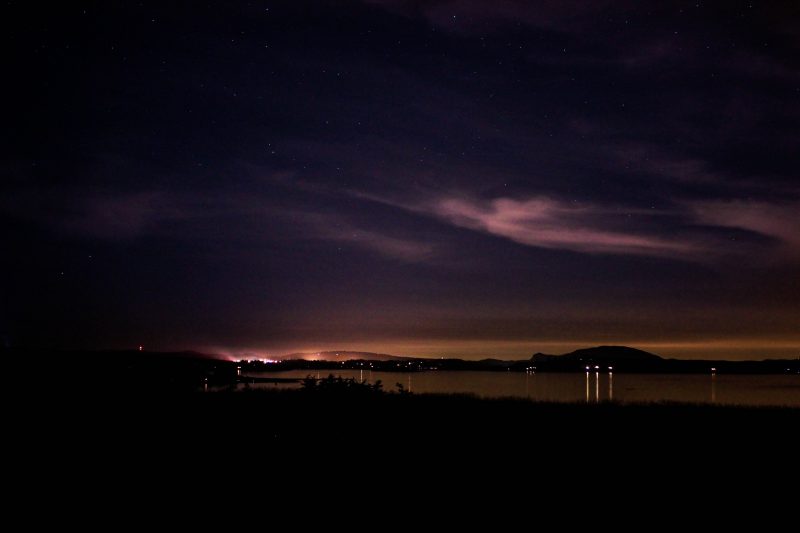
[
  {"x": 120, "y": 216},
  {"x": 689, "y": 231},
  {"x": 547, "y": 223},
  {"x": 139, "y": 214},
  {"x": 648, "y": 159},
  {"x": 780, "y": 222},
  {"x": 404, "y": 249}
]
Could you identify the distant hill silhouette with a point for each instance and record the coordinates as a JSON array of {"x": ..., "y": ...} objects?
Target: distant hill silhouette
[
  {"x": 340, "y": 355},
  {"x": 599, "y": 354},
  {"x": 115, "y": 371}
]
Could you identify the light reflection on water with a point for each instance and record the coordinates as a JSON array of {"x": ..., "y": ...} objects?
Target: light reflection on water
[
  {"x": 591, "y": 387},
  {"x": 596, "y": 379},
  {"x": 713, "y": 388},
  {"x": 611, "y": 386},
  {"x": 597, "y": 387}
]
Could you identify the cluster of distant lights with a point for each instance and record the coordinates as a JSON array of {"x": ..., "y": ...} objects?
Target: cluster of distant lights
[{"x": 597, "y": 368}]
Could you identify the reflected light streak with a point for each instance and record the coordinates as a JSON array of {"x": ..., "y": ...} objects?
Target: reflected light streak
[
  {"x": 610, "y": 386},
  {"x": 587, "y": 387},
  {"x": 597, "y": 387},
  {"x": 713, "y": 388}
]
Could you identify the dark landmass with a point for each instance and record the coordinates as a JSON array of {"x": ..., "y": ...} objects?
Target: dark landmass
[
  {"x": 600, "y": 358},
  {"x": 126, "y": 415},
  {"x": 398, "y": 364},
  {"x": 334, "y": 443},
  {"x": 607, "y": 354},
  {"x": 626, "y": 359},
  {"x": 426, "y": 419},
  {"x": 343, "y": 414},
  {"x": 124, "y": 370}
]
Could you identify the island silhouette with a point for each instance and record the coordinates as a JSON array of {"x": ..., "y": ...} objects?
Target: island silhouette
[{"x": 606, "y": 354}]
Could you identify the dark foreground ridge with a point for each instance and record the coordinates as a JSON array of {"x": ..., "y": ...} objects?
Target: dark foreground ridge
[
  {"x": 334, "y": 414},
  {"x": 321, "y": 439},
  {"x": 76, "y": 421}
]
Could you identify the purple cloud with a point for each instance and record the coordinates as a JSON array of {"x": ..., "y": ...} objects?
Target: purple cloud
[
  {"x": 642, "y": 157},
  {"x": 407, "y": 250},
  {"x": 118, "y": 217},
  {"x": 104, "y": 216},
  {"x": 691, "y": 231},
  {"x": 780, "y": 222},
  {"x": 547, "y": 223}
]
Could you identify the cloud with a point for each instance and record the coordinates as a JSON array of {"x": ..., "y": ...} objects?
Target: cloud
[
  {"x": 393, "y": 247},
  {"x": 126, "y": 215},
  {"x": 138, "y": 214},
  {"x": 335, "y": 228},
  {"x": 689, "y": 231},
  {"x": 119, "y": 217},
  {"x": 547, "y": 223},
  {"x": 779, "y": 222},
  {"x": 642, "y": 157}
]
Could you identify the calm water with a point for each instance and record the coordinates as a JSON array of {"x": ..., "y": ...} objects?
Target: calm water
[{"x": 592, "y": 387}]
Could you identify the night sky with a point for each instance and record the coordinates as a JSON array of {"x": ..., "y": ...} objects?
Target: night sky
[{"x": 435, "y": 178}]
